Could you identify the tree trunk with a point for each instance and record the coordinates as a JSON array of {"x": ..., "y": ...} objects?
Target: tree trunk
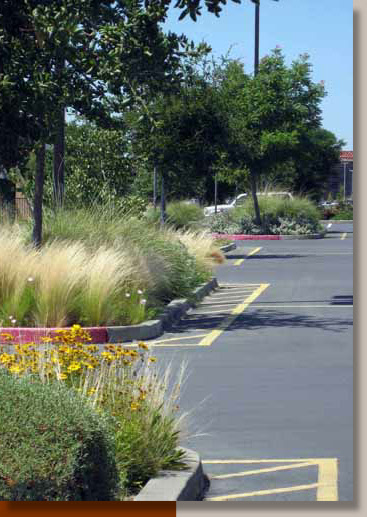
[
  {"x": 215, "y": 194},
  {"x": 38, "y": 195},
  {"x": 155, "y": 187},
  {"x": 254, "y": 197},
  {"x": 163, "y": 202},
  {"x": 59, "y": 144},
  {"x": 59, "y": 159}
]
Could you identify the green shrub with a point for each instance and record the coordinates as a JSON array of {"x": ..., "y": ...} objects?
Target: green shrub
[
  {"x": 180, "y": 215},
  {"x": 343, "y": 211},
  {"x": 53, "y": 446},
  {"x": 278, "y": 216}
]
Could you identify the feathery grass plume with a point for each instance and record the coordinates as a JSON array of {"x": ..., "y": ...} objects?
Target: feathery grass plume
[
  {"x": 60, "y": 273},
  {"x": 108, "y": 275},
  {"x": 17, "y": 264},
  {"x": 200, "y": 245}
]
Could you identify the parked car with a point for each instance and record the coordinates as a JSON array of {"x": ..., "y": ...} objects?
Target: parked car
[{"x": 241, "y": 198}]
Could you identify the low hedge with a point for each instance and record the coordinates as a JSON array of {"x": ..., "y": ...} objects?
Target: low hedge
[
  {"x": 297, "y": 216},
  {"x": 53, "y": 445}
]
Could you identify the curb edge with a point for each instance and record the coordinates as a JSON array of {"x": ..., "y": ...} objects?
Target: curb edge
[{"x": 177, "y": 485}]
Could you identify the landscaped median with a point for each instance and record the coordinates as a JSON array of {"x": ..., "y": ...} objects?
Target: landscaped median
[
  {"x": 296, "y": 218},
  {"x": 117, "y": 334},
  {"x": 100, "y": 279}
]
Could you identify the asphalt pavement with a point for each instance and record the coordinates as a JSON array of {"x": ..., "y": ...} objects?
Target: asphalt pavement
[{"x": 270, "y": 371}]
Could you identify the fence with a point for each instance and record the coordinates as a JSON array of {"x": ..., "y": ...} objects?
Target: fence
[{"x": 20, "y": 209}]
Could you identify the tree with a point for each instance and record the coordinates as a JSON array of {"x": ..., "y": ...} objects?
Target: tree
[
  {"x": 188, "y": 137},
  {"x": 269, "y": 115},
  {"x": 309, "y": 170},
  {"x": 66, "y": 53}
]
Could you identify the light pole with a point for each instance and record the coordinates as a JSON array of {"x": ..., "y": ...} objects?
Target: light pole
[
  {"x": 257, "y": 34},
  {"x": 256, "y": 69}
]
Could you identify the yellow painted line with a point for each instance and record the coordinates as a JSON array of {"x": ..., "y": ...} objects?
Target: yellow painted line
[
  {"x": 238, "y": 262},
  {"x": 163, "y": 345},
  {"x": 258, "y": 305},
  {"x": 178, "y": 338},
  {"x": 250, "y": 462},
  {"x": 264, "y": 492},
  {"x": 214, "y": 334},
  {"x": 230, "y": 286},
  {"x": 343, "y": 236},
  {"x": 328, "y": 480},
  {"x": 256, "y": 250},
  {"x": 232, "y": 301},
  {"x": 221, "y": 311},
  {"x": 264, "y": 471}
]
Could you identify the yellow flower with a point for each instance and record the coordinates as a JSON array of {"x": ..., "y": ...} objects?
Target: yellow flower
[
  {"x": 63, "y": 376},
  {"x": 15, "y": 368},
  {"x": 143, "y": 345},
  {"x": 134, "y": 406},
  {"x": 73, "y": 367},
  {"x": 91, "y": 391},
  {"x": 152, "y": 359}
]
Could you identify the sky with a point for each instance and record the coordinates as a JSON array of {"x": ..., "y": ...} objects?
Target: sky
[{"x": 322, "y": 28}]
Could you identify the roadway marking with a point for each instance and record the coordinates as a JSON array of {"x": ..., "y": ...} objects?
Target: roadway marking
[
  {"x": 264, "y": 492},
  {"x": 336, "y": 305},
  {"x": 263, "y": 471},
  {"x": 250, "y": 292},
  {"x": 327, "y": 483},
  {"x": 239, "y": 261},
  {"x": 343, "y": 236},
  {"x": 214, "y": 334},
  {"x": 327, "y": 489}
]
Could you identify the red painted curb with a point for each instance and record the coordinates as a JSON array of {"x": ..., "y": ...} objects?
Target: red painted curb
[
  {"x": 33, "y": 335},
  {"x": 247, "y": 237}
]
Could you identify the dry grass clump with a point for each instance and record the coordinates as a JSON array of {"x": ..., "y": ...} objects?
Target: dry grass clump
[{"x": 201, "y": 245}]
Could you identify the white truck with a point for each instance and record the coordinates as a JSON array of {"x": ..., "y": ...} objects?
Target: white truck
[{"x": 241, "y": 199}]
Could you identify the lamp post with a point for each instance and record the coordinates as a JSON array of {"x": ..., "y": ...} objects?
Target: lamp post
[
  {"x": 256, "y": 69},
  {"x": 257, "y": 34}
]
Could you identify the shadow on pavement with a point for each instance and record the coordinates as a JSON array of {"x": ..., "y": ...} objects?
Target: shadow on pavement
[{"x": 262, "y": 319}]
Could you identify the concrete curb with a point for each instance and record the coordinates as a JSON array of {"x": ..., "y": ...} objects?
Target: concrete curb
[
  {"x": 239, "y": 237},
  {"x": 177, "y": 485},
  {"x": 228, "y": 247},
  {"x": 336, "y": 221},
  {"x": 146, "y": 330}
]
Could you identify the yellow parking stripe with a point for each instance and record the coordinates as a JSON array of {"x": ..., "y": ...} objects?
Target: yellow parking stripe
[
  {"x": 328, "y": 480},
  {"x": 214, "y": 334},
  {"x": 264, "y": 492},
  {"x": 271, "y": 460},
  {"x": 264, "y": 471},
  {"x": 256, "y": 250},
  {"x": 177, "y": 338},
  {"x": 327, "y": 483},
  {"x": 291, "y": 306},
  {"x": 239, "y": 261}
]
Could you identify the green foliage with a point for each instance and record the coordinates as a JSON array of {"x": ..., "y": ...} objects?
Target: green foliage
[
  {"x": 342, "y": 211},
  {"x": 279, "y": 216},
  {"x": 146, "y": 444},
  {"x": 137, "y": 256},
  {"x": 53, "y": 446},
  {"x": 180, "y": 215}
]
